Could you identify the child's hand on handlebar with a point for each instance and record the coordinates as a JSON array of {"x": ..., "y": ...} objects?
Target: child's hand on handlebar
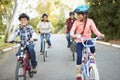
[
  {"x": 9, "y": 41},
  {"x": 78, "y": 36},
  {"x": 31, "y": 39},
  {"x": 102, "y": 36}
]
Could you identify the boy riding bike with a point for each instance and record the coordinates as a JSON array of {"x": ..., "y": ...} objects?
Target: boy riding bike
[
  {"x": 83, "y": 26},
  {"x": 27, "y": 36},
  {"x": 68, "y": 25}
]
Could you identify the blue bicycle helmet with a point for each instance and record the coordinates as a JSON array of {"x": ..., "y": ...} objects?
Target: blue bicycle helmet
[{"x": 82, "y": 9}]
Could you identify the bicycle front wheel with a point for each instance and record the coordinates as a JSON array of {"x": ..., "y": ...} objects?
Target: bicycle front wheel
[
  {"x": 19, "y": 73},
  {"x": 30, "y": 70},
  {"x": 93, "y": 72},
  {"x": 44, "y": 52}
]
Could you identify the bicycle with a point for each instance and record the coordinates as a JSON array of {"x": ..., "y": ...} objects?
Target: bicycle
[
  {"x": 23, "y": 64},
  {"x": 73, "y": 48},
  {"x": 44, "y": 47},
  {"x": 89, "y": 66}
]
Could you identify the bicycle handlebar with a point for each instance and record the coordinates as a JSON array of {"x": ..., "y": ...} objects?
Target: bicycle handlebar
[
  {"x": 21, "y": 41},
  {"x": 15, "y": 42},
  {"x": 92, "y": 39}
]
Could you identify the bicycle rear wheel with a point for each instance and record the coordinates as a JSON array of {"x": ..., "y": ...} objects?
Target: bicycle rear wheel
[
  {"x": 73, "y": 49},
  {"x": 93, "y": 72},
  {"x": 73, "y": 55},
  {"x": 19, "y": 73},
  {"x": 46, "y": 53}
]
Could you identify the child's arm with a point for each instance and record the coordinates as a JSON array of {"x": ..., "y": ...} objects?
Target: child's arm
[
  {"x": 65, "y": 26},
  {"x": 34, "y": 35},
  {"x": 72, "y": 31},
  {"x": 38, "y": 27},
  {"x": 14, "y": 35},
  {"x": 51, "y": 27},
  {"x": 95, "y": 30}
]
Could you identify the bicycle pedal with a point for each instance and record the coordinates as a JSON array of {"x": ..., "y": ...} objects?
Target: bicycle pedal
[{"x": 34, "y": 72}]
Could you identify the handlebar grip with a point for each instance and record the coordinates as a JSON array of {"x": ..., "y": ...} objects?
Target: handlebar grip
[
  {"x": 11, "y": 42},
  {"x": 35, "y": 39},
  {"x": 93, "y": 40},
  {"x": 15, "y": 42}
]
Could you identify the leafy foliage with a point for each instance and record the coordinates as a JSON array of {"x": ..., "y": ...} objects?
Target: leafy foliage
[
  {"x": 106, "y": 13},
  {"x": 56, "y": 12},
  {"x": 5, "y": 10}
]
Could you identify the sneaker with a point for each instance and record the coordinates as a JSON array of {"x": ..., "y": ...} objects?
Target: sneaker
[
  {"x": 49, "y": 46},
  {"x": 34, "y": 70},
  {"x": 41, "y": 53},
  {"x": 68, "y": 46}
]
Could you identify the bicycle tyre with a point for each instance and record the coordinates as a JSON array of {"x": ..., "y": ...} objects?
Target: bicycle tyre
[
  {"x": 30, "y": 73},
  {"x": 30, "y": 70},
  {"x": 73, "y": 55},
  {"x": 93, "y": 72},
  {"x": 44, "y": 54},
  {"x": 17, "y": 71}
]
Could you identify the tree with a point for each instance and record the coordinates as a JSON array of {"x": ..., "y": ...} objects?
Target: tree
[
  {"x": 5, "y": 10},
  {"x": 106, "y": 16},
  {"x": 10, "y": 21},
  {"x": 56, "y": 11}
]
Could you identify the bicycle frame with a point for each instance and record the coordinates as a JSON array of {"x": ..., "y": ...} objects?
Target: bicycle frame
[
  {"x": 44, "y": 46},
  {"x": 72, "y": 48},
  {"x": 23, "y": 61},
  {"x": 44, "y": 41},
  {"x": 24, "y": 57},
  {"x": 87, "y": 58}
]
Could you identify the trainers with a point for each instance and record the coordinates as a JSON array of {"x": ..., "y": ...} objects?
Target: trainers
[
  {"x": 49, "y": 46},
  {"x": 68, "y": 46},
  {"x": 41, "y": 53},
  {"x": 34, "y": 70}
]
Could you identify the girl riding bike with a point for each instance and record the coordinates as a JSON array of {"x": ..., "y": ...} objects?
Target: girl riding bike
[
  {"x": 83, "y": 26},
  {"x": 45, "y": 28}
]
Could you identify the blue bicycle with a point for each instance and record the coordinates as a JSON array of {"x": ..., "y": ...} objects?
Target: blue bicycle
[{"x": 89, "y": 67}]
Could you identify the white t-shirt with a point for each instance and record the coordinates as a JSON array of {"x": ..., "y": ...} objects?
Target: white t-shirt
[{"x": 45, "y": 27}]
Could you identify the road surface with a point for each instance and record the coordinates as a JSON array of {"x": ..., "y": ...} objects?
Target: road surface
[{"x": 59, "y": 64}]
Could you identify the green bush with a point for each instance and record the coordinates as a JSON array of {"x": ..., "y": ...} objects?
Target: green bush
[{"x": 106, "y": 16}]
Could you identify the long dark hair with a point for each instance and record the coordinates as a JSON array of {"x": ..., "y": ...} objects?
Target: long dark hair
[{"x": 43, "y": 17}]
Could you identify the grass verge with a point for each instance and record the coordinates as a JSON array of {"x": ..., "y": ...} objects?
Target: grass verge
[{"x": 3, "y": 44}]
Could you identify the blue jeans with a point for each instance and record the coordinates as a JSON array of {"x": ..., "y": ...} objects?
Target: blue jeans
[
  {"x": 79, "y": 48},
  {"x": 47, "y": 39},
  {"x": 68, "y": 38},
  {"x": 31, "y": 51}
]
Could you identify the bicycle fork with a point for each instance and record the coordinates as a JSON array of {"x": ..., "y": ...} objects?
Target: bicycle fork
[
  {"x": 26, "y": 66},
  {"x": 85, "y": 70}
]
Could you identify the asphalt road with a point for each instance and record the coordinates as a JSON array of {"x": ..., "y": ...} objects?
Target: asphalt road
[{"x": 59, "y": 64}]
